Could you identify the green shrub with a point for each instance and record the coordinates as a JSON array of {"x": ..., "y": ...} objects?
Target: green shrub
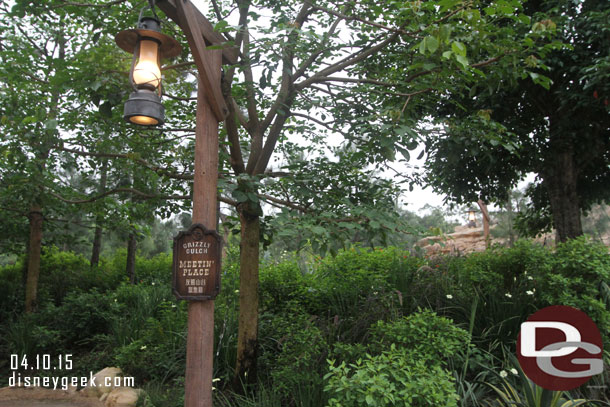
[
  {"x": 158, "y": 354},
  {"x": 60, "y": 273},
  {"x": 425, "y": 334},
  {"x": 292, "y": 350},
  {"x": 26, "y": 336},
  {"x": 65, "y": 272},
  {"x": 12, "y": 292},
  {"x": 392, "y": 378},
  {"x": 138, "y": 303},
  {"x": 579, "y": 278},
  {"x": 500, "y": 268},
  {"x": 353, "y": 290},
  {"x": 82, "y": 319},
  {"x": 281, "y": 284},
  {"x": 156, "y": 270}
]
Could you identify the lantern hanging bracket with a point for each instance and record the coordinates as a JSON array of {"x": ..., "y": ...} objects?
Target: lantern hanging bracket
[{"x": 151, "y": 6}]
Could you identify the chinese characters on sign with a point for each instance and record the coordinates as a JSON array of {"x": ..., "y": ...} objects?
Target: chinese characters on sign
[{"x": 196, "y": 265}]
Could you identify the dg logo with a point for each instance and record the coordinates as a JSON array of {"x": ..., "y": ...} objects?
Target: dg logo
[{"x": 560, "y": 348}]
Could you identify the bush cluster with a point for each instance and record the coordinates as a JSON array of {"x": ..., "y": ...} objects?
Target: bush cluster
[{"x": 368, "y": 327}]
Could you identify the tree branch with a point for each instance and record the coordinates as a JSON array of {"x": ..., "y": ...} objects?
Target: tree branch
[
  {"x": 283, "y": 203},
  {"x": 364, "y": 53},
  {"x": 177, "y": 66},
  {"x": 105, "y": 5},
  {"x": 299, "y": 72},
  {"x": 284, "y": 98},
  {"x": 321, "y": 123},
  {"x": 362, "y": 20},
  {"x": 133, "y": 191},
  {"x": 179, "y": 97},
  {"x": 154, "y": 168},
  {"x": 348, "y": 61}
]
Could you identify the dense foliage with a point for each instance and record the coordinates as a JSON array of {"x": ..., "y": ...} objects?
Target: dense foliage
[
  {"x": 552, "y": 120},
  {"x": 368, "y": 327}
]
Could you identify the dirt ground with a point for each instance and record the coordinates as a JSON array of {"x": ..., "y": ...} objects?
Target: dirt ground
[{"x": 40, "y": 397}]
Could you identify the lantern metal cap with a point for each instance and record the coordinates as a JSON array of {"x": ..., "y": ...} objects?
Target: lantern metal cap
[
  {"x": 148, "y": 27},
  {"x": 144, "y": 103}
]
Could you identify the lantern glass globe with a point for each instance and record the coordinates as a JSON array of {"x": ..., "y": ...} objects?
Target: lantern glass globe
[{"x": 146, "y": 71}]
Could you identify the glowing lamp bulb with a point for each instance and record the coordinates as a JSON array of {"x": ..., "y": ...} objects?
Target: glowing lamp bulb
[
  {"x": 144, "y": 120},
  {"x": 146, "y": 71}
]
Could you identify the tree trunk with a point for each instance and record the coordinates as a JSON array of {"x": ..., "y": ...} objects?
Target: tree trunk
[
  {"x": 34, "y": 249},
  {"x": 131, "y": 258},
  {"x": 97, "y": 237},
  {"x": 510, "y": 213},
  {"x": 97, "y": 245},
  {"x": 486, "y": 220},
  {"x": 561, "y": 185},
  {"x": 247, "y": 339}
]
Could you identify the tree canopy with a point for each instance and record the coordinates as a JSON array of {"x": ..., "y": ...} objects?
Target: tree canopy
[{"x": 552, "y": 120}]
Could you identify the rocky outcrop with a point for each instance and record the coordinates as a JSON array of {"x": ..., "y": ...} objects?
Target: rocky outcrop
[
  {"x": 123, "y": 397},
  {"x": 104, "y": 383},
  {"x": 108, "y": 389},
  {"x": 463, "y": 240},
  {"x": 105, "y": 389}
]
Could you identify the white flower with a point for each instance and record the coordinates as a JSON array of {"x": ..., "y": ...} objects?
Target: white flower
[
  {"x": 530, "y": 277},
  {"x": 142, "y": 347},
  {"x": 449, "y": 296},
  {"x": 508, "y": 295},
  {"x": 216, "y": 380},
  {"x": 236, "y": 291},
  {"x": 153, "y": 283},
  {"x": 528, "y": 292},
  {"x": 514, "y": 371},
  {"x": 503, "y": 374},
  {"x": 173, "y": 305}
]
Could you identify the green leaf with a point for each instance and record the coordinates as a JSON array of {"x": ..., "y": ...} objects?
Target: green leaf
[
  {"x": 221, "y": 25},
  {"x": 50, "y": 124},
  {"x": 458, "y": 48},
  {"x": 422, "y": 46},
  {"x": 252, "y": 197},
  {"x": 462, "y": 60},
  {"x": 431, "y": 44},
  {"x": 106, "y": 109},
  {"x": 239, "y": 196},
  {"x": 318, "y": 230}
]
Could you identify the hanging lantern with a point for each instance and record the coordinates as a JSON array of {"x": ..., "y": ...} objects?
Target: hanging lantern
[
  {"x": 472, "y": 219},
  {"x": 148, "y": 46}
]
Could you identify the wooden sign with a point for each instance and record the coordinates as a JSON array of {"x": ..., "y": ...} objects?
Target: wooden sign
[{"x": 196, "y": 265}]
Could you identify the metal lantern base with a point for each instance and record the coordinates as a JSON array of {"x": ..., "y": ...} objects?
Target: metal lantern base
[{"x": 144, "y": 108}]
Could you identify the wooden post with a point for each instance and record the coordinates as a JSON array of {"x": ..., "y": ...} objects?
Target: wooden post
[
  {"x": 211, "y": 109},
  {"x": 200, "y": 337},
  {"x": 486, "y": 220}
]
